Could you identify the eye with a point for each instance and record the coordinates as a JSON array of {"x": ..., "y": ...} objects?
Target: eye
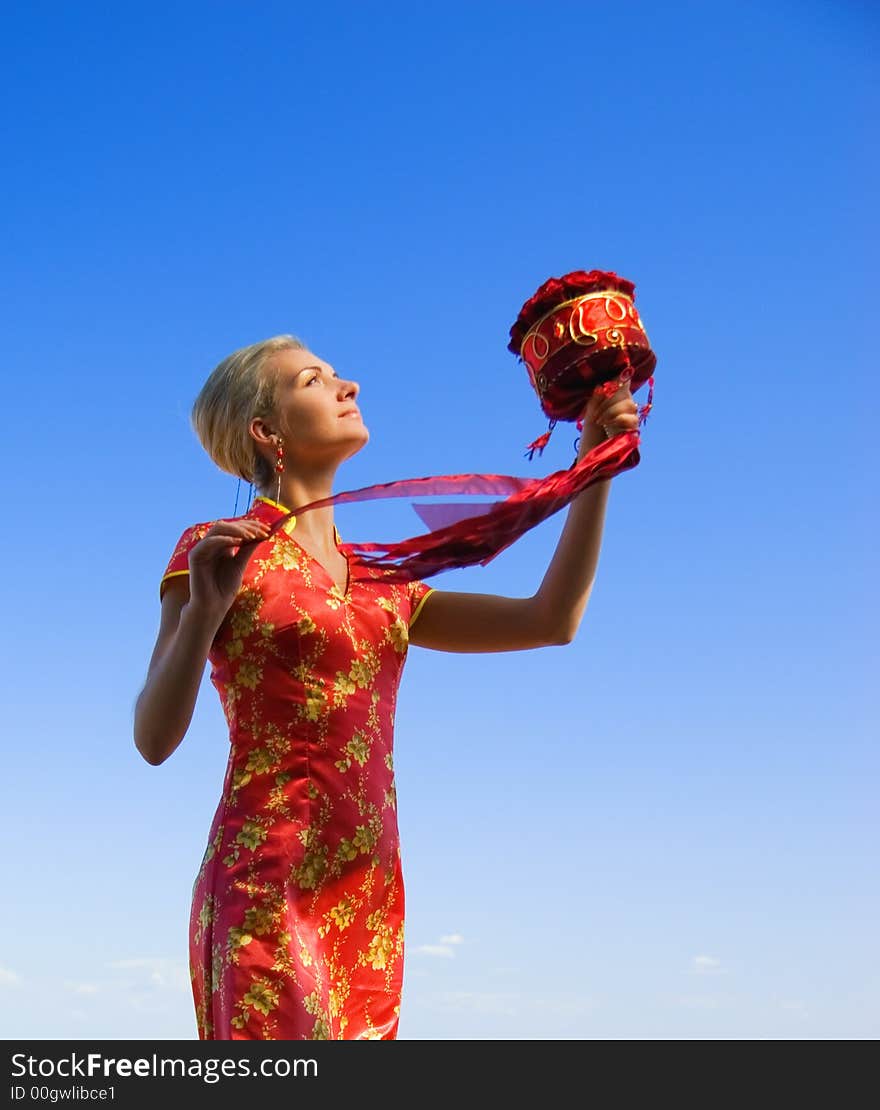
[{"x": 315, "y": 377}]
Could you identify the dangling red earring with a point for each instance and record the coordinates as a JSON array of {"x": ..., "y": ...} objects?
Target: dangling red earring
[{"x": 279, "y": 467}]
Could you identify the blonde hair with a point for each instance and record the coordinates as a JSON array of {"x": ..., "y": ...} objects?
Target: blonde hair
[{"x": 239, "y": 389}]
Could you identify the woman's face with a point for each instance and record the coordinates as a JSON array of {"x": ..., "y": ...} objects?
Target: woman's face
[{"x": 316, "y": 411}]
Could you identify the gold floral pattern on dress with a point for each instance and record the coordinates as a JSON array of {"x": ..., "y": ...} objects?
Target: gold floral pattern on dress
[{"x": 296, "y": 926}]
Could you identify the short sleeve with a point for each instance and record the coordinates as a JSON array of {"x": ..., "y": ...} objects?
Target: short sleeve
[
  {"x": 179, "y": 562},
  {"x": 419, "y": 592}
]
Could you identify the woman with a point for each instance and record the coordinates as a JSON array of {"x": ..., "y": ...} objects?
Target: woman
[{"x": 296, "y": 927}]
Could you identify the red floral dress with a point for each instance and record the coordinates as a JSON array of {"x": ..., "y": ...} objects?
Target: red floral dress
[{"x": 296, "y": 928}]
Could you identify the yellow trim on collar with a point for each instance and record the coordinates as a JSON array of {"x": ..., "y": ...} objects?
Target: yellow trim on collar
[
  {"x": 277, "y": 504},
  {"x": 289, "y": 525}
]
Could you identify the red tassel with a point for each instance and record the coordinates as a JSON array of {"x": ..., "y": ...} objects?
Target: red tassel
[
  {"x": 538, "y": 445},
  {"x": 643, "y": 415},
  {"x": 541, "y": 442}
]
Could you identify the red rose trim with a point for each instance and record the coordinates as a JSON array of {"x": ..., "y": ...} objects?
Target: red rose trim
[{"x": 556, "y": 290}]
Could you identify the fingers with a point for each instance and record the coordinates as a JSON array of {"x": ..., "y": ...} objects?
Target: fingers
[
  {"x": 239, "y": 528},
  {"x": 229, "y": 534},
  {"x": 610, "y": 401},
  {"x": 211, "y": 546},
  {"x": 623, "y": 412}
]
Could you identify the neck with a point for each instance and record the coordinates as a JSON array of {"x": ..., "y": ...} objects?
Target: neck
[{"x": 315, "y": 526}]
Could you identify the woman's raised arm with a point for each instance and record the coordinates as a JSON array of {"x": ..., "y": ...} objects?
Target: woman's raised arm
[{"x": 454, "y": 621}]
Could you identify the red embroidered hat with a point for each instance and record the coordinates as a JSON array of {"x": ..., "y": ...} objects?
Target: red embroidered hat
[{"x": 576, "y": 333}]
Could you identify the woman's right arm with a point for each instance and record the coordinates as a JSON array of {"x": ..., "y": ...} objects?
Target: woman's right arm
[
  {"x": 194, "y": 606},
  {"x": 164, "y": 707}
]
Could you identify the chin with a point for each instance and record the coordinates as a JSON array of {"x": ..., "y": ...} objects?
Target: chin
[{"x": 358, "y": 438}]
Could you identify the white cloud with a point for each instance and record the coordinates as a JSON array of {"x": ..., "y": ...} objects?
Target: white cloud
[
  {"x": 566, "y": 1006},
  {"x": 82, "y": 988},
  {"x": 156, "y": 972},
  {"x": 706, "y": 965},
  {"x": 699, "y": 1002},
  {"x": 796, "y": 1005},
  {"x": 9, "y": 978},
  {"x": 444, "y": 948},
  {"x": 513, "y": 1003},
  {"x": 436, "y": 950},
  {"x": 481, "y": 1002}
]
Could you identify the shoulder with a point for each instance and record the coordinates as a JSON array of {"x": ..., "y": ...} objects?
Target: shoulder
[
  {"x": 178, "y": 563},
  {"x": 419, "y": 592},
  {"x": 189, "y": 537},
  {"x": 409, "y": 595}
]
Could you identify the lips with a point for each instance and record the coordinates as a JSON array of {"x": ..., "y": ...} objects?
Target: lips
[{"x": 349, "y": 412}]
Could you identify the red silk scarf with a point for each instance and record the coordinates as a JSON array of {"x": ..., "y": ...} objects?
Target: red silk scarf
[{"x": 462, "y": 535}]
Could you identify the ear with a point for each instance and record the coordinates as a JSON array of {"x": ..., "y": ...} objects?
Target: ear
[{"x": 262, "y": 432}]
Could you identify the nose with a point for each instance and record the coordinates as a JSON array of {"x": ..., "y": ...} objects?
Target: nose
[{"x": 349, "y": 388}]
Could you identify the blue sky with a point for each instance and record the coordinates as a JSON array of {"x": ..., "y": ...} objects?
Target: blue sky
[{"x": 667, "y": 828}]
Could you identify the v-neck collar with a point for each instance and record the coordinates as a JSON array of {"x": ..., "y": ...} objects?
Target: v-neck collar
[{"x": 288, "y": 528}]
